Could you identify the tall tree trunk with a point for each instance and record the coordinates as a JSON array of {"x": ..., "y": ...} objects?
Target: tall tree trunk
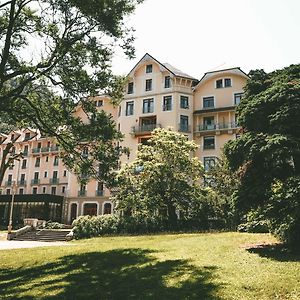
[{"x": 172, "y": 217}]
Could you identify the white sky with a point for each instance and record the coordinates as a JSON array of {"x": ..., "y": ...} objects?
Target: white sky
[{"x": 197, "y": 36}]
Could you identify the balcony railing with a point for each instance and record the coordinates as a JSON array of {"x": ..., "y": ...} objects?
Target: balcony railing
[
  {"x": 35, "y": 181},
  {"x": 142, "y": 129},
  {"x": 184, "y": 128},
  {"x": 217, "y": 126},
  {"x": 36, "y": 150},
  {"x": 82, "y": 193},
  {"x": 54, "y": 181},
  {"x": 22, "y": 183},
  {"x": 100, "y": 193},
  {"x": 8, "y": 183}
]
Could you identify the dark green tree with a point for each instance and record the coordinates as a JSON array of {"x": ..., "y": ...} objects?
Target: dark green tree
[
  {"x": 55, "y": 55},
  {"x": 269, "y": 150}
]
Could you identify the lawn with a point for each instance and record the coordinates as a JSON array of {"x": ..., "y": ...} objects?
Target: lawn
[{"x": 171, "y": 266}]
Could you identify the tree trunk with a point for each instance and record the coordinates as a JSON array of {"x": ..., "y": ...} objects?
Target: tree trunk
[{"x": 172, "y": 217}]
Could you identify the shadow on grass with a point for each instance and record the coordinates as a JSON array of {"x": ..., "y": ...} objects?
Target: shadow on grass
[
  {"x": 278, "y": 252},
  {"x": 116, "y": 274}
]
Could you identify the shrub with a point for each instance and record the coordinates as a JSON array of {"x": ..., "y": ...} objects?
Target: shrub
[
  {"x": 87, "y": 226},
  {"x": 54, "y": 225},
  {"x": 255, "y": 222}
]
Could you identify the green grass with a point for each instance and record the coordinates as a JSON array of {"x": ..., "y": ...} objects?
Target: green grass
[{"x": 178, "y": 266}]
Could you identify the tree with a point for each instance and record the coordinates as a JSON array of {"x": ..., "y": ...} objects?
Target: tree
[
  {"x": 163, "y": 179},
  {"x": 55, "y": 55},
  {"x": 269, "y": 150}
]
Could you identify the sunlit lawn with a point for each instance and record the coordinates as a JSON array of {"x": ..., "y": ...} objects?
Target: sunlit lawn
[{"x": 179, "y": 266}]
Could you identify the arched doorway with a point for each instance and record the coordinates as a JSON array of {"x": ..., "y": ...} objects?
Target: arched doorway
[{"x": 90, "y": 209}]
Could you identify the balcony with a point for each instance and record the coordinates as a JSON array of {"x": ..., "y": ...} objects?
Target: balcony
[
  {"x": 184, "y": 128},
  {"x": 8, "y": 183},
  {"x": 144, "y": 129},
  {"x": 100, "y": 193},
  {"x": 35, "y": 181},
  {"x": 82, "y": 193},
  {"x": 36, "y": 150},
  {"x": 22, "y": 183},
  {"x": 54, "y": 181},
  {"x": 49, "y": 149},
  {"x": 217, "y": 127}
]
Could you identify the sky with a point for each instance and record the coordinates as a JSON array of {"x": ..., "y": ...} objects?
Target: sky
[{"x": 197, "y": 36}]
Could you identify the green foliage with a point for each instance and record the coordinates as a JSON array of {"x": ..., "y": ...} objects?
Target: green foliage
[
  {"x": 87, "y": 226},
  {"x": 54, "y": 56},
  {"x": 255, "y": 222},
  {"x": 163, "y": 179},
  {"x": 285, "y": 202},
  {"x": 269, "y": 149},
  {"x": 54, "y": 225}
]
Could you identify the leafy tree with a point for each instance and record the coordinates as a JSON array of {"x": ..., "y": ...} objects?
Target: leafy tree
[
  {"x": 55, "y": 55},
  {"x": 163, "y": 178},
  {"x": 269, "y": 149}
]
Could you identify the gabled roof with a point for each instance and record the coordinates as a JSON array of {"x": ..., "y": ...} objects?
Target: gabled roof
[
  {"x": 164, "y": 66},
  {"x": 230, "y": 71}
]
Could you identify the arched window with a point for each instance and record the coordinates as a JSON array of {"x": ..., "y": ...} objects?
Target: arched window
[
  {"x": 107, "y": 209},
  {"x": 90, "y": 209}
]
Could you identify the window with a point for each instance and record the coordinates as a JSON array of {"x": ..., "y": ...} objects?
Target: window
[
  {"x": 208, "y": 123},
  {"x": 27, "y": 136},
  {"x": 219, "y": 83},
  {"x": 130, "y": 88},
  {"x": 36, "y": 176},
  {"x": 184, "y": 102},
  {"x": 12, "y": 137},
  {"x": 227, "y": 82},
  {"x": 65, "y": 173},
  {"x": 90, "y": 209},
  {"x": 9, "y": 179},
  {"x": 55, "y": 173},
  {"x": 34, "y": 190},
  {"x": 167, "y": 103},
  {"x": 129, "y": 108},
  {"x": 208, "y": 102},
  {"x": 22, "y": 179},
  {"x": 184, "y": 123},
  {"x": 208, "y": 142},
  {"x": 148, "y": 105},
  {"x": 25, "y": 151},
  {"x": 24, "y": 163},
  {"x": 7, "y": 191},
  {"x": 37, "y": 162},
  {"x": 21, "y": 191},
  {"x": 120, "y": 111},
  {"x": 167, "y": 82},
  {"x": 44, "y": 190},
  {"x": 99, "y": 103},
  {"x": 148, "y": 84},
  {"x": 45, "y": 174},
  {"x": 209, "y": 162},
  {"x": 53, "y": 190},
  {"x": 237, "y": 98},
  {"x": 55, "y": 162},
  {"x": 63, "y": 189},
  {"x": 107, "y": 209},
  {"x": 149, "y": 69},
  {"x": 99, "y": 191},
  {"x": 47, "y": 158}
]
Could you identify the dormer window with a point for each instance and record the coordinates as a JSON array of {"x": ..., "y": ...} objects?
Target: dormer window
[
  {"x": 99, "y": 103},
  {"x": 221, "y": 83},
  {"x": 149, "y": 69},
  {"x": 27, "y": 136},
  {"x": 130, "y": 88}
]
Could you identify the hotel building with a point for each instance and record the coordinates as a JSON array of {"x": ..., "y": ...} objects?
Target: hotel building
[{"x": 157, "y": 95}]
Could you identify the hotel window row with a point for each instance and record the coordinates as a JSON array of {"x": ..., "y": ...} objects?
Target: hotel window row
[
  {"x": 209, "y": 102},
  {"x": 148, "y": 105},
  {"x": 149, "y": 85}
]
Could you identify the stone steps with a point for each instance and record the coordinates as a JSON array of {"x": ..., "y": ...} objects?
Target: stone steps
[{"x": 43, "y": 235}]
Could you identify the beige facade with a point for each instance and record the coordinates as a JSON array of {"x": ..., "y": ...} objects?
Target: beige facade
[{"x": 157, "y": 95}]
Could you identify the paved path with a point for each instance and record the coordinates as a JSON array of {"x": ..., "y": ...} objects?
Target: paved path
[{"x": 5, "y": 245}]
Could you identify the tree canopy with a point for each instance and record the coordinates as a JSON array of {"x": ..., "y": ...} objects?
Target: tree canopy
[
  {"x": 269, "y": 150},
  {"x": 57, "y": 54},
  {"x": 163, "y": 178}
]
